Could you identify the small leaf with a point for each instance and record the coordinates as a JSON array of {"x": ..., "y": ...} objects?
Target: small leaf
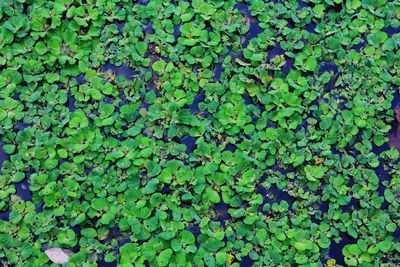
[{"x": 159, "y": 65}]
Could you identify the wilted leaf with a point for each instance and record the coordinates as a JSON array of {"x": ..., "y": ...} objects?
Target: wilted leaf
[{"x": 57, "y": 255}]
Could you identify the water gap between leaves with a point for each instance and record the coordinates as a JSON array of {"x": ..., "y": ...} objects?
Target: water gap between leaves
[
  {"x": 254, "y": 27},
  {"x": 335, "y": 251}
]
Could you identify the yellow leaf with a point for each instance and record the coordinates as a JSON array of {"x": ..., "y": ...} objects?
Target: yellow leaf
[
  {"x": 331, "y": 263},
  {"x": 230, "y": 258}
]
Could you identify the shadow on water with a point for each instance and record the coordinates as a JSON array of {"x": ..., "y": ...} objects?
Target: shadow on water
[
  {"x": 123, "y": 70},
  {"x": 254, "y": 27}
]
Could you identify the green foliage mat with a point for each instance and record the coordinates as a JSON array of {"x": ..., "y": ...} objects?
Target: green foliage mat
[{"x": 201, "y": 133}]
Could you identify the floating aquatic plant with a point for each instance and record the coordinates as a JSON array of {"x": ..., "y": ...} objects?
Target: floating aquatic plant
[{"x": 208, "y": 132}]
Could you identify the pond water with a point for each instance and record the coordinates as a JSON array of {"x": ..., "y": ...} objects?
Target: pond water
[
  {"x": 221, "y": 209},
  {"x": 3, "y": 155},
  {"x": 123, "y": 70},
  {"x": 254, "y": 28}
]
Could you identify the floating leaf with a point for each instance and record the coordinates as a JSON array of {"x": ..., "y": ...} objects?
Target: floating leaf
[{"x": 57, "y": 255}]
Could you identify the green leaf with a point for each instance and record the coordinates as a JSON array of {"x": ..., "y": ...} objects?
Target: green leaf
[
  {"x": 159, "y": 66},
  {"x": 41, "y": 48},
  {"x": 188, "y": 237},
  {"x": 67, "y": 238},
  {"x": 54, "y": 45},
  {"x": 391, "y": 227},
  {"x": 389, "y": 196},
  {"x": 221, "y": 258},
  {"x": 164, "y": 257},
  {"x": 153, "y": 168},
  {"x": 212, "y": 196},
  {"x": 100, "y": 204},
  {"x": 319, "y": 10},
  {"x": 314, "y": 172},
  {"x": 141, "y": 47},
  {"x": 303, "y": 245},
  {"x": 9, "y": 149},
  {"x": 78, "y": 119},
  {"x": 38, "y": 23}
]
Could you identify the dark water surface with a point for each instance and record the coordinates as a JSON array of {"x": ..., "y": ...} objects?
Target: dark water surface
[
  {"x": 270, "y": 195},
  {"x": 124, "y": 70},
  {"x": 3, "y": 155},
  {"x": 254, "y": 28},
  {"x": 335, "y": 249}
]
